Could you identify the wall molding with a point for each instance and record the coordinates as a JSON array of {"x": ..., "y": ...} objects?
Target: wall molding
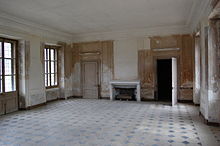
[
  {"x": 133, "y": 33},
  {"x": 13, "y": 23},
  {"x": 199, "y": 9}
]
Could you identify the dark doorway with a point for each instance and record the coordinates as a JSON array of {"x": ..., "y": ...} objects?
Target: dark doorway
[{"x": 164, "y": 79}]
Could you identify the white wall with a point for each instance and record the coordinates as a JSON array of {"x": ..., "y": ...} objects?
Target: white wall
[
  {"x": 36, "y": 92},
  {"x": 126, "y": 57}
]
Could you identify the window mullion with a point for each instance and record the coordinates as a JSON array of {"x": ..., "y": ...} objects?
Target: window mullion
[
  {"x": 46, "y": 59},
  {"x": 3, "y": 68},
  {"x": 54, "y": 67},
  {"x": 12, "y": 66},
  {"x": 50, "y": 66}
]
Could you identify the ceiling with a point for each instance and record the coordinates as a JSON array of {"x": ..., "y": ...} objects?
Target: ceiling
[{"x": 93, "y": 16}]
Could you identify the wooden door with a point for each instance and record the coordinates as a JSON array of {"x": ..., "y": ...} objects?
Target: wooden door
[
  {"x": 90, "y": 71},
  {"x": 8, "y": 76},
  {"x": 174, "y": 81}
]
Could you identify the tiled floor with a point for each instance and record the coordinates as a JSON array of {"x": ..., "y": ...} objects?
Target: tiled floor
[{"x": 104, "y": 123}]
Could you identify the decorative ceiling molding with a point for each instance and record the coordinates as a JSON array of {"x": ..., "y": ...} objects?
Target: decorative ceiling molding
[
  {"x": 200, "y": 9},
  {"x": 12, "y": 23},
  {"x": 147, "y": 32}
]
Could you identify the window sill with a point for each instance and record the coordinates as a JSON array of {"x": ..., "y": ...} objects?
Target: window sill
[{"x": 52, "y": 89}]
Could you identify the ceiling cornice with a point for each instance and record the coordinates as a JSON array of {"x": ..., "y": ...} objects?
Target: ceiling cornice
[
  {"x": 134, "y": 33},
  {"x": 13, "y": 23},
  {"x": 200, "y": 9}
]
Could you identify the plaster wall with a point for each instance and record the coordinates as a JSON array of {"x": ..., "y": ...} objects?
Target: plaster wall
[
  {"x": 126, "y": 57},
  {"x": 204, "y": 67},
  {"x": 33, "y": 73}
]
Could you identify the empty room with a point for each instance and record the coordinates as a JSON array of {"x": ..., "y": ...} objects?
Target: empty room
[{"x": 109, "y": 73}]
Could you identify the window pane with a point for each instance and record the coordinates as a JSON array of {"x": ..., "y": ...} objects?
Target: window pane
[
  {"x": 1, "y": 84},
  {"x": 52, "y": 54},
  {"x": 48, "y": 80},
  {"x": 7, "y": 50},
  {"x": 55, "y": 57},
  {"x": 52, "y": 67},
  {"x": 45, "y": 54},
  {"x": 45, "y": 80},
  {"x": 8, "y": 83},
  {"x": 0, "y": 49},
  {"x": 48, "y": 66},
  {"x": 8, "y": 67},
  {"x": 55, "y": 80},
  {"x": 56, "y": 67},
  {"x": 14, "y": 83},
  {"x": 52, "y": 79},
  {"x": 14, "y": 66},
  {"x": 48, "y": 54},
  {"x": 0, "y": 66},
  {"x": 45, "y": 67}
]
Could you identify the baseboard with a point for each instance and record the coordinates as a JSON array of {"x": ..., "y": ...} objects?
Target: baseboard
[
  {"x": 105, "y": 98},
  {"x": 185, "y": 101},
  {"x": 36, "y": 106},
  {"x": 48, "y": 101},
  {"x": 144, "y": 99},
  {"x": 196, "y": 104},
  {"x": 73, "y": 97},
  {"x": 207, "y": 122}
]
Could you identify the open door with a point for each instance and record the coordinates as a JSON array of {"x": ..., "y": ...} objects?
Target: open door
[{"x": 174, "y": 81}]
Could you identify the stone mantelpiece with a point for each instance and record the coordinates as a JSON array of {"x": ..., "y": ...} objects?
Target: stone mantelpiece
[{"x": 125, "y": 84}]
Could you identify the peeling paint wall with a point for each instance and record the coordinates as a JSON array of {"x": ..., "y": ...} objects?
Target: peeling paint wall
[
  {"x": 214, "y": 71},
  {"x": 146, "y": 73},
  {"x": 101, "y": 51},
  {"x": 210, "y": 64},
  {"x": 147, "y": 58},
  {"x": 197, "y": 73},
  {"x": 204, "y": 71},
  {"x": 187, "y": 67},
  {"x": 32, "y": 90},
  {"x": 126, "y": 59}
]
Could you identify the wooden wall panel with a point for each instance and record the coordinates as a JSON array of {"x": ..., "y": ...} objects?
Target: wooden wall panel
[
  {"x": 145, "y": 71},
  {"x": 185, "y": 55},
  {"x": 186, "y": 64},
  {"x": 101, "y": 51},
  {"x": 76, "y": 78},
  {"x": 158, "y": 42},
  {"x": 106, "y": 67}
]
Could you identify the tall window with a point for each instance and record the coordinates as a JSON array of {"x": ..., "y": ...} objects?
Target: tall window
[
  {"x": 51, "y": 74},
  {"x": 7, "y": 65}
]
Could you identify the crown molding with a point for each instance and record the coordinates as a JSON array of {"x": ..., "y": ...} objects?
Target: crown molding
[
  {"x": 13, "y": 23},
  {"x": 200, "y": 9},
  {"x": 133, "y": 33}
]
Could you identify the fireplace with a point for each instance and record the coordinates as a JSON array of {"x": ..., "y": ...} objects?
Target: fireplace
[
  {"x": 125, "y": 90},
  {"x": 125, "y": 93}
]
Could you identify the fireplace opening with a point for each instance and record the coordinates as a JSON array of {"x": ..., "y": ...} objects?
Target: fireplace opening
[{"x": 125, "y": 93}]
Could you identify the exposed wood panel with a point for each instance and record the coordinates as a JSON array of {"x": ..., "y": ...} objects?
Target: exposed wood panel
[
  {"x": 2, "y": 109},
  {"x": 145, "y": 70},
  {"x": 165, "y": 42},
  {"x": 101, "y": 51},
  {"x": 186, "y": 64},
  {"x": 107, "y": 67},
  {"x": 184, "y": 45},
  {"x": 90, "y": 73}
]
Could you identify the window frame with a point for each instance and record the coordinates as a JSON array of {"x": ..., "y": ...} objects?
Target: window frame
[
  {"x": 49, "y": 62},
  {"x": 14, "y": 64}
]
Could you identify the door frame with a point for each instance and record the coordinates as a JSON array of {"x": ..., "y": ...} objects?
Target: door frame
[
  {"x": 9, "y": 95},
  {"x": 98, "y": 74},
  {"x": 155, "y": 58}
]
